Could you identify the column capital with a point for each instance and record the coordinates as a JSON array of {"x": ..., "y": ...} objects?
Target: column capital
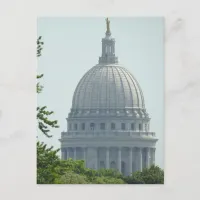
[
  {"x": 140, "y": 149},
  {"x": 148, "y": 148}
]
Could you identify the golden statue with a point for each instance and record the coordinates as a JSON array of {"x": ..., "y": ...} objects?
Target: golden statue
[{"x": 108, "y": 25}]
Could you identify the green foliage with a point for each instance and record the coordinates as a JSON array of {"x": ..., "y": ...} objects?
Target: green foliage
[
  {"x": 39, "y": 46},
  {"x": 48, "y": 164},
  {"x": 152, "y": 175},
  {"x": 108, "y": 180},
  {"x": 109, "y": 173},
  {"x": 52, "y": 170},
  {"x": 39, "y": 50},
  {"x": 71, "y": 178},
  {"x": 44, "y": 123}
]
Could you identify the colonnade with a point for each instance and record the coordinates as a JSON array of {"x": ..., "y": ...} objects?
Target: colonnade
[{"x": 144, "y": 157}]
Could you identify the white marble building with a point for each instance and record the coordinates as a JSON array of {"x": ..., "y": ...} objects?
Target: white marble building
[{"x": 108, "y": 125}]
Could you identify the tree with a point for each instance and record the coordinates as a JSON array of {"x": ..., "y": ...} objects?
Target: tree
[
  {"x": 48, "y": 163},
  {"x": 71, "y": 178},
  {"x": 108, "y": 180},
  {"x": 152, "y": 175},
  {"x": 44, "y": 123}
]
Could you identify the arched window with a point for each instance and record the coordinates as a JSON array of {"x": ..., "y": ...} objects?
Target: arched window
[
  {"x": 132, "y": 126},
  {"x": 92, "y": 126},
  {"x": 112, "y": 126},
  {"x": 70, "y": 126},
  {"x": 123, "y": 126},
  {"x": 102, "y": 126}
]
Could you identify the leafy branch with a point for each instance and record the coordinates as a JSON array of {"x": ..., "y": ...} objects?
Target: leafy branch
[{"x": 44, "y": 124}]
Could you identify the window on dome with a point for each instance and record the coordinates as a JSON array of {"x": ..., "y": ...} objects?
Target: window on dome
[
  {"x": 92, "y": 126},
  {"x": 75, "y": 126},
  {"x": 83, "y": 126},
  {"x": 102, "y": 126},
  {"x": 132, "y": 126},
  {"x": 112, "y": 126},
  {"x": 140, "y": 127},
  {"x": 123, "y": 126}
]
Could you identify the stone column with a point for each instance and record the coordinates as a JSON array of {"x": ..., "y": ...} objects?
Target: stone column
[
  {"x": 85, "y": 155},
  {"x": 112, "y": 50},
  {"x": 63, "y": 153},
  {"x": 119, "y": 160},
  {"x": 147, "y": 157},
  {"x": 97, "y": 160},
  {"x": 130, "y": 161},
  {"x": 74, "y": 153},
  {"x": 153, "y": 156},
  {"x": 140, "y": 159},
  {"x": 107, "y": 158},
  {"x": 103, "y": 48},
  {"x": 67, "y": 152}
]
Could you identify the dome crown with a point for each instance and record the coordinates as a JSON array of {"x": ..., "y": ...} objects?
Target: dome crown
[{"x": 108, "y": 85}]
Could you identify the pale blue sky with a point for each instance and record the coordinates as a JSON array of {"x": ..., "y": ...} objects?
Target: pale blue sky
[{"x": 72, "y": 46}]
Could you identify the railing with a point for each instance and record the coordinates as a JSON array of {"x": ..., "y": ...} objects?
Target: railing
[{"x": 107, "y": 134}]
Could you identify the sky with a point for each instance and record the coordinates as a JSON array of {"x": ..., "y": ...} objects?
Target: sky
[{"x": 73, "y": 45}]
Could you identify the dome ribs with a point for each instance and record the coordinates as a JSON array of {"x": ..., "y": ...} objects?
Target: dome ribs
[
  {"x": 84, "y": 100},
  {"x": 94, "y": 93},
  {"x": 130, "y": 90},
  {"x": 77, "y": 91},
  {"x": 116, "y": 101},
  {"x": 134, "y": 82},
  {"x": 122, "y": 87},
  {"x": 107, "y": 87},
  {"x": 99, "y": 88}
]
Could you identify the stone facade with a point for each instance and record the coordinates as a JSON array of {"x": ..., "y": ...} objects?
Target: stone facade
[{"x": 108, "y": 125}]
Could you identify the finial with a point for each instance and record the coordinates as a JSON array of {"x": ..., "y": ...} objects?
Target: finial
[{"x": 108, "y": 26}]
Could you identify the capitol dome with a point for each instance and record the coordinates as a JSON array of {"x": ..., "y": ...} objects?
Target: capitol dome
[
  {"x": 108, "y": 87},
  {"x": 108, "y": 125}
]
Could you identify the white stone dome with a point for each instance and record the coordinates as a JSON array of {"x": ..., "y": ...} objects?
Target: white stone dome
[
  {"x": 108, "y": 87},
  {"x": 108, "y": 121}
]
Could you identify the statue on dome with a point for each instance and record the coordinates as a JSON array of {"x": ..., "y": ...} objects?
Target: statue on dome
[{"x": 108, "y": 25}]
